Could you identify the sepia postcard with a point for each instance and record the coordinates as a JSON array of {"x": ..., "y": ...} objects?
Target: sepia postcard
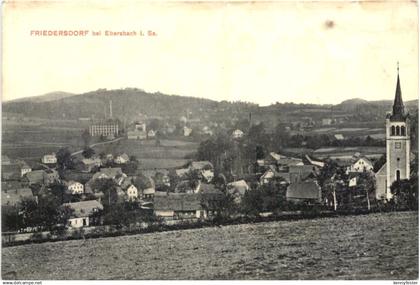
[{"x": 209, "y": 140}]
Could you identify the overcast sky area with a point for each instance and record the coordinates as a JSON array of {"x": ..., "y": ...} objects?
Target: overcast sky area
[{"x": 307, "y": 52}]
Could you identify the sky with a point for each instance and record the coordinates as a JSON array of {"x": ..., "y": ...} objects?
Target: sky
[{"x": 261, "y": 52}]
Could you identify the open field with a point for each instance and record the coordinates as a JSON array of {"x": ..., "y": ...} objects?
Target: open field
[
  {"x": 31, "y": 142},
  {"x": 347, "y": 152},
  {"x": 375, "y": 246},
  {"x": 169, "y": 154}
]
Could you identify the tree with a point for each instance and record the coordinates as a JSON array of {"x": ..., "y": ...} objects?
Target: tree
[
  {"x": 109, "y": 188},
  {"x": 366, "y": 185},
  {"x": 142, "y": 182},
  {"x": 46, "y": 214},
  {"x": 88, "y": 152},
  {"x": 64, "y": 160},
  {"x": 86, "y": 137},
  {"x": 130, "y": 168},
  {"x": 406, "y": 193}
]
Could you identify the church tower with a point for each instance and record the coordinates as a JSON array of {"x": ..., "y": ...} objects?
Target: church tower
[{"x": 397, "y": 142}]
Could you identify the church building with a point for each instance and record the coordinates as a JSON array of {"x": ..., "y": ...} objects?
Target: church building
[{"x": 397, "y": 166}]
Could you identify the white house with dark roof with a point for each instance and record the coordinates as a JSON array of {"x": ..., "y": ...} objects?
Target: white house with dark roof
[{"x": 83, "y": 213}]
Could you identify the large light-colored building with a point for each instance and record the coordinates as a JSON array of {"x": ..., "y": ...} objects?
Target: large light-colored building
[
  {"x": 104, "y": 128},
  {"x": 397, "y": 166}
]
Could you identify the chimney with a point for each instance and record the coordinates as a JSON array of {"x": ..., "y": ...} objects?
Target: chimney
[{"x": 110, "y": 109}]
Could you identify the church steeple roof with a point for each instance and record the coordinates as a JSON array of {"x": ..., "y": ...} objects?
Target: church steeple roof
[{"x": 398, "y": 112}]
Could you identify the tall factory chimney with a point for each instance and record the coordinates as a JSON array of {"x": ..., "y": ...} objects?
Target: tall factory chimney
[{"x": 110, "y": 109}]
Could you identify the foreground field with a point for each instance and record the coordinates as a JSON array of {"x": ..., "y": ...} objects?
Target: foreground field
[{"x": 377, "y": 246}]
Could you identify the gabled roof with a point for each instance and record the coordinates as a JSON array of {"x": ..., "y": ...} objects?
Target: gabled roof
[
  {"x": 14, "y": 195},
  {"x": 303, "y": 169},
  {"x": 289, "y": 161},
  {"x": 88, "y": 161},
  {"x": 123, "y": 156},
  {"x": 314, "y": 162},
  {"x": 181, "y": 172},
  {"x": 10, "y": 168},
  {"x": 199, "y": 165},
  {"x": 356, "y": 159},
  {"x": 238, "y": 187},
  {"x": 72, "y": 182},
  {"x": 177, "y": 202},
  {"x": 304, "y": 190},
  {"x": 5, "y": 159},
  {"x": 109, "y": 172},
  {"x": 22, "y": 164},
  {"x": 36, "y": 176},
  {"x": 84, "y": 208},
  {"x": 381, "y": 171}
]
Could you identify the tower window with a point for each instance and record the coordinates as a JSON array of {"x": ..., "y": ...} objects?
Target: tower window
[
  {"x": 398, "y": 175},
  {"x": 398, "y": 130},
  {"x": 402, "y": 130},
  {"x": 397, "y": 145},
  {"x": 393, "y": 131}
]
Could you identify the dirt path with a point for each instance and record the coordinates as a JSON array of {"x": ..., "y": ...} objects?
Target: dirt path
[{"x": 96, "y": 144}]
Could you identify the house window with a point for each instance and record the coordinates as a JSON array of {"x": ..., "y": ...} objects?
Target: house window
[{"x": 397, "y": 145}]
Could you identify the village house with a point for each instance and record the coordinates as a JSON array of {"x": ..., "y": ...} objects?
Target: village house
[
  {"x": 10, "y": 172},
  {"x": 304, "y": 192},
  {"x": 89, "y": 164},
  {"x": 132, "y": 192},
  {"x": 272, "y": 175},
  {"x": 339, "y": 137},
  {"x": 238, "y": 190},
  {"x": 237, "y": 134},
  {"x": 187, "y": 187},
  {"x": 49, "y": 159},
  {"x": 51, "y": 176},
  {"x": 360, "y": 164},
  {"x": 302, "y": 172},
  {"x": 314, "y": 162},
  {"x": 108, "y": 173},
  {"x": 84, "y": 213},
  {"x": 326, "y": 121},
  {"x": 205, "y": 168},
  {"x": 5, "y": 160},
  {"x": 122, "y": 158},
  {"x": 14, "y": 192},
  {"x": 137, "y": 132},
  {"x": 160, "y": 176},
  {"x": 35, "y": 177},
  {"x": 24, "y": 167},
  {"x": 182, "y": 172},
  {"x": 75, "y": 187},
  {"x": 175, "y": 206},
  {"x": 148, "y": 193},
  {"x": 151, "y": 133},
  {"x": 207, "y": 131},
  {"x": 186, "y": 131}
]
